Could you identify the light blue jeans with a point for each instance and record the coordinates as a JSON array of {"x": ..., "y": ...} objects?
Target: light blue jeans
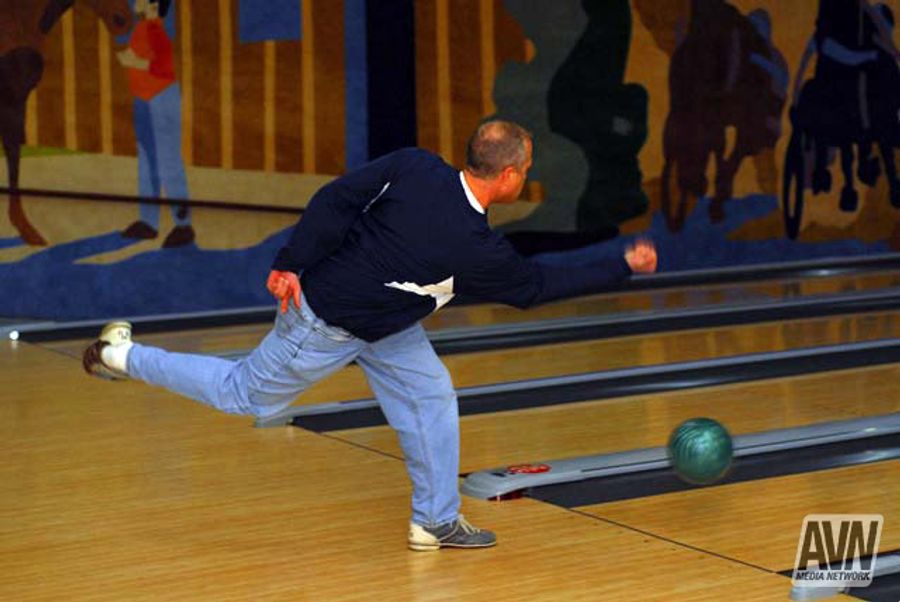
[
  {"x": 411, "y": 384},
  {"x": 157, "y": 127}
]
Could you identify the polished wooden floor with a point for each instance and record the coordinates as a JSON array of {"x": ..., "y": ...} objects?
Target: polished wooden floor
[
  {"x": 769, "y": 511},
  {"x": 120, "y": 491}
]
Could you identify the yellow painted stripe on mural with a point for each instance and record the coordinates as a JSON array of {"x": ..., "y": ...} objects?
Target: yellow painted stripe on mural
[
  {"x": 488, "y": 57},
  {"x": 31, "y": 119},
  {"x": 308, "y": 81},
  {"x": 69, "y": 107},
  {"x": 226, "y": 83},
  {"x": 187, "y": 83},
  {"x": 104, "y": 64},
  {"x": 445, "y": 120},
  {"x": 17, "y": 254},
  {"x": 269, "y": 106},
  {"x": 132, "y": 250}
]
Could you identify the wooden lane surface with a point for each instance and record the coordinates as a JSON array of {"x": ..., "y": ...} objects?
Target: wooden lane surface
[
  {"x": 506, "y": 365},
  {"x": 116, "y": 491},
  {"x": 605, "y": 426},
  {"x": 759, "y": 521}
]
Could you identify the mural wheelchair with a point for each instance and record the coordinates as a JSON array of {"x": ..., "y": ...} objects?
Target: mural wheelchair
[{"x": 848, "y": 108}]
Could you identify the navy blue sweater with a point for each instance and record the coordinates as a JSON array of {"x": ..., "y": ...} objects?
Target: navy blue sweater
[{"x": 383, "y": 246}]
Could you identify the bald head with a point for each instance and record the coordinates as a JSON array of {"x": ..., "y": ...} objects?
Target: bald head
[{"x": 496, "y": 145}]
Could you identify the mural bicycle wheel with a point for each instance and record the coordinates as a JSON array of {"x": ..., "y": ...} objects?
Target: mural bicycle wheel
[{"x": 793, "y": 183}]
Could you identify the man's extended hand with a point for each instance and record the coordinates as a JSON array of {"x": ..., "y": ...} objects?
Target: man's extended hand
[
  {"x": 641, "y": 257},
  {"x": 284, "y": 286}
]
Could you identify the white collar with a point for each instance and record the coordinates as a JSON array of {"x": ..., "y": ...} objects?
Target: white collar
[{"x": 469, "y": 195}]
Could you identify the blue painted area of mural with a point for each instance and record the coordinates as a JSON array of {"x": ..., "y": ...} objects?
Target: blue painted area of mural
[
  {"x": 51, "y": 285},
  {"x": 704, "y": 245},
  {"x": 356, "y": 81},
  {"x": 190, "y": 279},
  {"x": 13, "y": 241},
  {"x": 262, "y": 20}
]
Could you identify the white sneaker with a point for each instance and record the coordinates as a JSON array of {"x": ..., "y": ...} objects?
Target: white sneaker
[
  {"x": 114, "y": 334},
  {"x": 455, "y": 534}
]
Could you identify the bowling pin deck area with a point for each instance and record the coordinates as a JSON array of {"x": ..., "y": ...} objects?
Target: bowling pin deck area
[{"x": 120, "y": 491}]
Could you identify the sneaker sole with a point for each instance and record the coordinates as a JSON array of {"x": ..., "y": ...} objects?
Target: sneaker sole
[
  {"x": 418, "y": 547},
  {"x": 94, "y": 366}
]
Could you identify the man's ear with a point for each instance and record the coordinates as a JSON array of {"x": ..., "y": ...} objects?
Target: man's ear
[{"x": 52, "y": 12}]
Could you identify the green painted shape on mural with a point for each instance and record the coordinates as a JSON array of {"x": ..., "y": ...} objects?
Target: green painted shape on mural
[
  {"x": 589, "y": 103},
  {"x": 43, "y": 151}
]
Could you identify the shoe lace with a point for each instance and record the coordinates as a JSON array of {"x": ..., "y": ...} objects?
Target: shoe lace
[{"x": 468, "y": 527}]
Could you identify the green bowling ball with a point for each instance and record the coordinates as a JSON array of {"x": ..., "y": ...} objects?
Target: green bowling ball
[{"x": 700, "y": 450}]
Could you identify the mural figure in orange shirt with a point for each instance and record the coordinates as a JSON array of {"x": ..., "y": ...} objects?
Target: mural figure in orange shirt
[{"x": 149, "y": 60}]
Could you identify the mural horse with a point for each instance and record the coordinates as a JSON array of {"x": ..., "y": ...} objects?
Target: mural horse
[
  {"x": 724, "y": 73},
  {"x": 23, "y": 26}
]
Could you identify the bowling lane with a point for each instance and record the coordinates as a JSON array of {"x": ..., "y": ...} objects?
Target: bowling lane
[
  {"x": 669, "y": 299},
  {"x": 759, "y": 521},
  {"x": 237, "y": 339},
  {"x": 507, "y": 365},
  {"x": 213, "y": 506},
  {"x": 606, "y": 426}
]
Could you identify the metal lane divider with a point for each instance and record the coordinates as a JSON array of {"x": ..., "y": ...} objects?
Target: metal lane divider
[
  {"x": 889, "y": 564},
  {"x": 502, "y": 481},
  {"x": 606, "y": 384}
]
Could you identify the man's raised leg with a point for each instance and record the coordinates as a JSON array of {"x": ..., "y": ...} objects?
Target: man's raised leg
[{"x": 296, "y": 353}]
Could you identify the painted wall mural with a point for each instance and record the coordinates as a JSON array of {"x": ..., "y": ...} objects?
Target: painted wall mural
[
  {"x": 731, "y": 132},
  {"x": 23, "y": 29}
]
